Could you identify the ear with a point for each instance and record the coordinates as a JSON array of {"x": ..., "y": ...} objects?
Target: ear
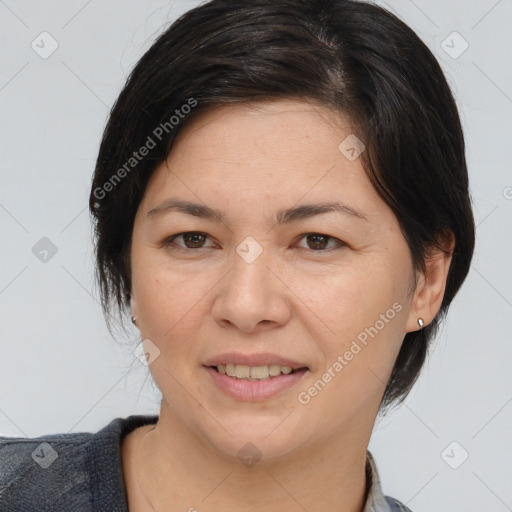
[{"x": 430, "y": 288}]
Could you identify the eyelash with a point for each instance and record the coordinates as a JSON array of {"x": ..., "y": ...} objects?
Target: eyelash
[{"x": 169, "y": 242}]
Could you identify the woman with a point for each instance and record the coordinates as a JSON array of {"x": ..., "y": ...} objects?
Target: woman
[{"x": 281, "y": 203}]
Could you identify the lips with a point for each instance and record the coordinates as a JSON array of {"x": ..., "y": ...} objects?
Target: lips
[
  {"x": 253, "y": 360},
  {"x": 249, "y": 390},
  {"x": 254, "y": 377}
]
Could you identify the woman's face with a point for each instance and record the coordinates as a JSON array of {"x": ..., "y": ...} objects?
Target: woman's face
[{"x": 327, "y": 292}]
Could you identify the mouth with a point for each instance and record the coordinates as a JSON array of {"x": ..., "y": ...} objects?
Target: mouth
[
  {"x": 254, "y": 377},
  {"x": 255, "y": 383},
  {"x": 256, "y": 373}
]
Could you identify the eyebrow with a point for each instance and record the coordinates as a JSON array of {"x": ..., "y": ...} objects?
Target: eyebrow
[{"x": 282, "y": 216}]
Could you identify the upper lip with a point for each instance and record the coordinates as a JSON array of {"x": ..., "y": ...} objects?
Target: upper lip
[{"x": 262, "y": 359}]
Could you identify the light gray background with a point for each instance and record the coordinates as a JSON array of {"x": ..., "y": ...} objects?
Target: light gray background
[{"x": 60, "y": 371}]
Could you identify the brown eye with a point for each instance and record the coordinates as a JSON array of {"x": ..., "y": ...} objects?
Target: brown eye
[
  {"x": 316, "y": 242},
  {"x": 319, "y": 242},
  {"x": 191, "y": 240}
]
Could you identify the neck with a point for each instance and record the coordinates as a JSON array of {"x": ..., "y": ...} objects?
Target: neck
[{"x": 177, "y": 470}]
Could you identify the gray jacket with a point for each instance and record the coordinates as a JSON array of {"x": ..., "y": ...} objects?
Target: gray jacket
[{"x": 82, "y": 472}]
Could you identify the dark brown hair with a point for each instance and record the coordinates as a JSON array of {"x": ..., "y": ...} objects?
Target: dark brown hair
[{"x": 352, "y": 57}]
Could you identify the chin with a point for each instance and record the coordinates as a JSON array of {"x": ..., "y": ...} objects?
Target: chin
[{"x": 255, "y": 439}]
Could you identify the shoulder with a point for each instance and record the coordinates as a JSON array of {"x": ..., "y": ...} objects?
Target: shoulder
[
  {"x": 396, "y": 506},
  {"x": 43, "y": 472},
  {"x": 62, "y": 472}
]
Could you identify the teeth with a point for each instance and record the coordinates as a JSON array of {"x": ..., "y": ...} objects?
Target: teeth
[
  {"x": 258, "y": 372},
  {"x": 241, "y": 371},
  {"x": 274, "y": 370}
]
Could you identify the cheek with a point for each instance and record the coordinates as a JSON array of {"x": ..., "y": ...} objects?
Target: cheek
[
  {"x": 173, "y": 302},
  {"x": 364, "y": 309},
  {"x": 169, "y": 302},
  {"x": 164, "y": 291},
  {"x": 353, "y": 298},
  {"x": 358, "y": 362},
  {"x": 172, "y": 309}
]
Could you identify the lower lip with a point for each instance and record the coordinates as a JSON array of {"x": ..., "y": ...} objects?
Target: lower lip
[{"x": 255, "y": 390}]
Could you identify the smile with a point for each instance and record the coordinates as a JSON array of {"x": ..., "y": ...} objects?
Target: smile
[
  {"x": 252, "y": 373},
  {"x": 260, "y": 387}
]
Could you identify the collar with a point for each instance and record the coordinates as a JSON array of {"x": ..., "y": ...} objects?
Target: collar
[{"x": 375, "y": 500}]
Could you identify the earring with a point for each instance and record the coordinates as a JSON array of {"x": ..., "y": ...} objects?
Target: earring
[
  {"x": 420, "y": 322},
  {"x": 133, "y": 320}
]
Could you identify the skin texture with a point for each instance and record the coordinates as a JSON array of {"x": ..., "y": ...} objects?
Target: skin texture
[{"x": 302, "y": 298}]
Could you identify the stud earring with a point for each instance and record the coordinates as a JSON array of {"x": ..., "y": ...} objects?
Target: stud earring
[
  {"x": 420, "y": 322},
  {"x": 133, "y": 320}
]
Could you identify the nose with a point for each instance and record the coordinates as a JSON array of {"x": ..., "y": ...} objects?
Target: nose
[{"x": 252, "y": 295}]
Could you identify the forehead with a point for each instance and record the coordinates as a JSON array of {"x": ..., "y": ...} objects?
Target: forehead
[
  {"x": 268, "y": 124},
  {"x": 278, "y": 153}
]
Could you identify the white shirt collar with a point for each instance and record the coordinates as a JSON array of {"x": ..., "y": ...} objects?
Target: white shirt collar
[{"x": 375, "y": 501}]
